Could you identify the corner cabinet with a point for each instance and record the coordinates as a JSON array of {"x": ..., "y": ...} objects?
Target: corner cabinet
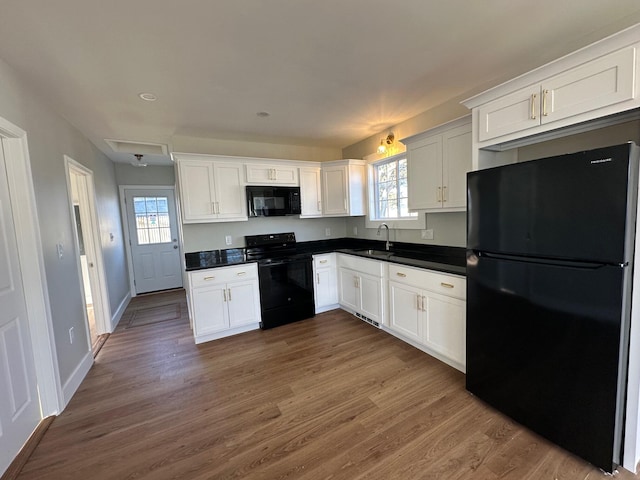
[
  {"x": 437, "y": 166},
  {"x": 428, "y": 309},
  {"x": 326, "y": 282},
  {"x": 362, "y": 288},
  {"x": 211, "y": 191},
  {"x": 310, "y": 192},
  {"x": 344, "y": 188},
  {"x": 224, "y": 301}
]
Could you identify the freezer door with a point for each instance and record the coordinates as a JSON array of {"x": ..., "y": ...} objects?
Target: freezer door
[
  {"x": 575, "y": 206},
  {"x": 543, "y": 346}
]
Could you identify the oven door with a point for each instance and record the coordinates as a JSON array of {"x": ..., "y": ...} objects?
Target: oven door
[{"x": 286, "y": 291}]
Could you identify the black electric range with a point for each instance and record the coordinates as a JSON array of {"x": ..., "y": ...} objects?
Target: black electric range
[{"x": 286, "y": 278}]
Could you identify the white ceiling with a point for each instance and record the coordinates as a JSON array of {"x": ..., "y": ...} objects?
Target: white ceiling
[{"x": 329, "y": 72}]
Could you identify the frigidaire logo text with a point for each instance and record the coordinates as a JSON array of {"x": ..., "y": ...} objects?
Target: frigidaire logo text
[{"x": 602, "y": 160}]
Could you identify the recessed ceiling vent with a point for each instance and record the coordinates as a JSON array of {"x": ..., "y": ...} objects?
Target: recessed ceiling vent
[{"x": 126, "y": 146}]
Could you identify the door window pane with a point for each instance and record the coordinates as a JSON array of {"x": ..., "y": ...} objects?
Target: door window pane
[{"x": 152, "y": 220}]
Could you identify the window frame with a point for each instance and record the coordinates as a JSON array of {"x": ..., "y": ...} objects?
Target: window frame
[{"x": 372, "y": 221}]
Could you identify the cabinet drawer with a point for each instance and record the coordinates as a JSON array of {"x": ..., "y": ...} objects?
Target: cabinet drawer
[
  {"x": 212, "y": 276},
  {"x": 442, "y": 283},
  {"x": 324, "y": 260}
]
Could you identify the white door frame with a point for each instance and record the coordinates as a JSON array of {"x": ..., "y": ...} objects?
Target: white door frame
[
  {"x": 31, "y": 261},
  {"x": 97, "y": 275},
  {"x": 125, "y": 222}
]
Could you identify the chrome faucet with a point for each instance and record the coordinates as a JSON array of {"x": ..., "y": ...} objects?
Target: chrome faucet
[{"x": 388, "y": 244}]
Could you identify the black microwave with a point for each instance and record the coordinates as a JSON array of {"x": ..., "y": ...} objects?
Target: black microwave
[{"x": 267, "y": 201}]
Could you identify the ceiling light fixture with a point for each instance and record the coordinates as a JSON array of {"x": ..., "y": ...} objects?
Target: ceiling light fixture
[
  {"x": 149, "y": 97},
  {"x": 139, "y": 162},
  {"x": 382, "y": 148}
]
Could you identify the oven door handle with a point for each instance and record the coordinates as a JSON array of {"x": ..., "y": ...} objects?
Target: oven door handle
[{"x": 286, "y": 261}]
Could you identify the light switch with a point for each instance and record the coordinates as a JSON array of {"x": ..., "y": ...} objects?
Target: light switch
[
  {"x": 327, "y": 232},
  {"x": 228, "y": 240},
  {"x": 60, "y": 249}
]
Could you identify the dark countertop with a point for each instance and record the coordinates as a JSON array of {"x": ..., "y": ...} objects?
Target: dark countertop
[{"x": 432, "y": 257}]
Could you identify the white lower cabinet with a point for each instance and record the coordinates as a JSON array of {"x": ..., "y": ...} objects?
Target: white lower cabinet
[
  {"x": 362, "y": 287},
  {"x": 428, "y": 309},
  {"x": 326, "y": 282},
  {"x": 224, "y": 301}
]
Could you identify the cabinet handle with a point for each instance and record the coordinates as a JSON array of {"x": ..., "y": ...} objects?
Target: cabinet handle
[
  {"x": 241, "y": 273},
  {"x": 318, "y": 278},
  {"x": 534, "y": 96},
  {"x": 544, "y": 104},
  {"x": 444, "y": 193},
  {"x": 213, "y": 208},
  {"x": 319, "y": 206},
  {"x": 446, "y": 285},
  {"x": 439, "y": 195},
  {"x": 218, "y": 208},
  {"x": 423, "y": 302},
  {"x": 229, "y": 291},
  {"x": 401, "y": 274},
  {"x": 224, "y": 294},
  {"x": 208, "y": 278},
  {"x": 323, "y": 261},
  {"x": 418, "y": 305}
]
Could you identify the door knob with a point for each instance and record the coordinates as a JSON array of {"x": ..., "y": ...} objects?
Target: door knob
[{"x": 175, "y": 246}]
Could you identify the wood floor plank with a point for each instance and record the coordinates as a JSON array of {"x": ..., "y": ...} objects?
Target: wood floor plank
[{"x": 326, "y": 398}]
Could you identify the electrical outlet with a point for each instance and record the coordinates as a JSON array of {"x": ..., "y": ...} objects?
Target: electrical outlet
[
  {"x": 60, "y": 249},
  {"x": 327, "y": 232},
  {"x": 427, "y": 234},
  {"x": 72, "y": 335},
  {"x": 228, "y": 240},
  {"x": 355, "y": 231}
]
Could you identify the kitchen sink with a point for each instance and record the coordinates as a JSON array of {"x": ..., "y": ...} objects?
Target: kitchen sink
[{"x": 374, "y": 253}]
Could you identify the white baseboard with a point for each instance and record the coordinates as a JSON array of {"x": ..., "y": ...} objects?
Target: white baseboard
[
  {"x": 71, "y": 385},
  {"x": 115, "y": 319}
]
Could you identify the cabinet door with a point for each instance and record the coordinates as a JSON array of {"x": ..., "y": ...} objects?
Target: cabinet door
[
  {"x": 310, "y": 192},
  {"x": 405, "y": 314},
  {"x": 445, "y": 326},
  {"x": 456, "y": 162},
  {"x": 371, "y": 297},
  {"x": 349, "y": 293},
  {"x": 326, "y": 291},
  {"x": 230, "y": 191},
  {"x": 243, "y": 302},
  {"x": 209, "y": 309},
  {"x": 596, "y": 84},
  {"x": 335, "y": 190},
  {"x": 271, "y": 174},
  {"x": 196, "y": 191},
  {"x": 424, "y": 174},
  {"x": 512, "y": 113}
]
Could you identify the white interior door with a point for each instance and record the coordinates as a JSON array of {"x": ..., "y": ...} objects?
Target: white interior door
[
  {"x": 19, "y": 401},
  {"x": 153, "y": 235}
]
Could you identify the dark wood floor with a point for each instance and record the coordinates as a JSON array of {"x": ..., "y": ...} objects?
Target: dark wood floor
[{"x": 326, "y": 398}]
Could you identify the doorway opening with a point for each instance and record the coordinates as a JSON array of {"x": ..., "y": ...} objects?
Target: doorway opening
[{"x": 89, "y": 254}]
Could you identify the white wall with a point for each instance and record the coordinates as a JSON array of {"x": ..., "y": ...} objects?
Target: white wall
[
  {"x": 152, "y": 175},
  {"x": 50, "y": 137},
  {"x": 211, "y": 236},
  {"x": 449, "y": 229}
]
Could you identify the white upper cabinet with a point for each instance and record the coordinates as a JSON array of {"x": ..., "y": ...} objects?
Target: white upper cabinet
[
  {"x": 438, "y": 162},
  {"x": 344, "y": 188},
  {"x": 259, "y": 174},
  {"x": 211, "y": 191},
  {"x": 311, "y": 192},
  {"x": 602, "y": 82}
]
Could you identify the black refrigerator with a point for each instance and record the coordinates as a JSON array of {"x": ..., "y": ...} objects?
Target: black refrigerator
[{"x": 549, "y": 269}]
